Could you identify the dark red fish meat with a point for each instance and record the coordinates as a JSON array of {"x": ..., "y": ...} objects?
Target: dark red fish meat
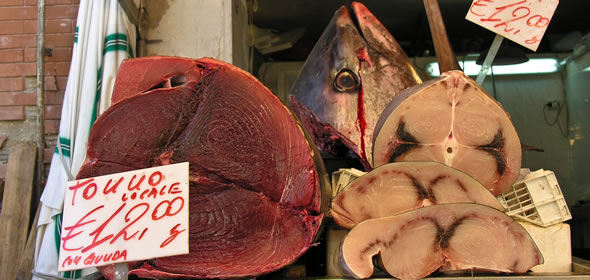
[{"x": 255, "y": 197}]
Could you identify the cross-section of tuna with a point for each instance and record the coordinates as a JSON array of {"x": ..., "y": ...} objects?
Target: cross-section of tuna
[
  {"x": 255, "y": 198},
  {"x": 456, "y": 236},
  {"x": 402, "y": 186},
  {"x": 453, "y": 121}
]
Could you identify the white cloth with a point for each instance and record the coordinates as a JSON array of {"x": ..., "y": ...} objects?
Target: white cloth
[{"x": 104, "y": 37}]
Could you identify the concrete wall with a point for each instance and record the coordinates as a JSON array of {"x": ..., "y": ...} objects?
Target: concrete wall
[{"x": 202, "y": 28}]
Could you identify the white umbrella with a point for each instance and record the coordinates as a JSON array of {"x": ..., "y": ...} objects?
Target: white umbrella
[{"x": 104, "y": 37}]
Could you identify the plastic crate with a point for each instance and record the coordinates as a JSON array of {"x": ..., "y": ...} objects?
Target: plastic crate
[
  {"x": 536, "y": 199},
  {"x": 343, "y": 177}
]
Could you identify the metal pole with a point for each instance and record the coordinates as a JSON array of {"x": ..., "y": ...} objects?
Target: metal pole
[
  {"x": 487, "y": 63},
  {"x": 40, "y": 97}
]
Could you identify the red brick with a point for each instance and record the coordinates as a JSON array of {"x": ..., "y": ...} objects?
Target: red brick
[
  {"x": 57, "y": 2},
  {"x": 67, "y": 11},
  {"x": 57, "y": 68},
  {"x": 51, "y": 26},
  {"x": 11, "y": 27},
  {"x": 17, "y": 41},
  {"x": 48, "y": 154},
  {"x": 8, "y": 13},
  {"x": 59, "y": 26},
  {"x": 17, "y": 98},
  {"x": 30, "y": 26},
  {"x": 50, "y": 83},
  {"x": 47, "y": 2},
  {"x": 54, "y": 97},
  {"x": 18, "y": 70},
  {"x": 30, "y": 54},
  {"x": 30, "y": 83},
  {"x": 12, "y": 84},
  {"x": 59, "y": 54},
  {"x": 29, "y": 69},
  {"x": 11, "y": 3},
  {"x": 51, "y": 126},
  {"x": 52, "y": 112},
  {"x": 61, "y": 82},
  {"x": 63, "y": 68},
  {"x": 12, "y": 113},
  {"x": 14, "y": 55},
  {"x": 59, "y": 40}
]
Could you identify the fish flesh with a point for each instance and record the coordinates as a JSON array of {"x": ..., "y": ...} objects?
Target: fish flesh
[
  {"x": 451, "y": 120},
  {"x": 398, "y": 187},
  {"x": 351, "y": 74},
  {"x": 455, "y": 236},
  {"x": 257, "y": 186}
]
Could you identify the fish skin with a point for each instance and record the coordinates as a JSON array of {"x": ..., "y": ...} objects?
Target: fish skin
[{"x": 358, "y": 43}]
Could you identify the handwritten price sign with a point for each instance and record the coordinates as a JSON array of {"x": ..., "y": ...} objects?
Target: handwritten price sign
[
  {"x": 522, "y": 21},
  {"x": 122, "y": 217}
]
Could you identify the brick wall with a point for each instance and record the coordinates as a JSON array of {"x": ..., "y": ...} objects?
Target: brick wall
[{"x": 18, "y": 40}]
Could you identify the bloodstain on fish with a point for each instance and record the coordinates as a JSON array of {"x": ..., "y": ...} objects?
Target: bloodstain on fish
[{"x": 361, "y": 122}]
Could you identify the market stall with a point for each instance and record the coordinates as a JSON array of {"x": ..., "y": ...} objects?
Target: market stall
[{"x": 239, "y": 139}]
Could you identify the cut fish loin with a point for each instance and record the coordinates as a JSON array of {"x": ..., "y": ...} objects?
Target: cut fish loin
[
  {"x": 255, "y": 197},
  {"x": 399, "y": 187},
  {"x": 453, "y": 121},
  {"x": 459, "y": 236}
]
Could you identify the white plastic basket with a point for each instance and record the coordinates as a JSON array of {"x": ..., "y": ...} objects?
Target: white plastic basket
[
  {"x": 536, "y": 199},
  {"x": 343, "y": 177}
]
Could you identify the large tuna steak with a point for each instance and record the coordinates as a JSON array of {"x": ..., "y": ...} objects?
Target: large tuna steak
[
  {"x": 351, "y": 74},
  {"x": 458, "y": 236},
  {"x": 453, "y": 121},
  {"x": 255, "y": 199},
  {"x": 394, "y": 188}
]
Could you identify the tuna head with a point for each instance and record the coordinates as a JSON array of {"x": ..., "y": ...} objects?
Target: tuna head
[{"x": 351, "y": 74}]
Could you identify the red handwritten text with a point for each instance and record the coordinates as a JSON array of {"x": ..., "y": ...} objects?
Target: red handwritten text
[
  {"x": 93, "y": 259},
  {"x": 523, "y": 21},
  {"x": 113, "y": 211}
]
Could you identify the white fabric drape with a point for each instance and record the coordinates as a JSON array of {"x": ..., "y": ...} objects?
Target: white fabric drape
[{"x": 104, "y": 37}]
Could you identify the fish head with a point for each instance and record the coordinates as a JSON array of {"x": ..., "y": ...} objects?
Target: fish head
[{"x": 352, "y": 73}]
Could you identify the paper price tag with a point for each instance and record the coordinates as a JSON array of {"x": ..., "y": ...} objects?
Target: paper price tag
[
  {"x": 522, "y": 21},
  {"x": 123, "y": 217}
]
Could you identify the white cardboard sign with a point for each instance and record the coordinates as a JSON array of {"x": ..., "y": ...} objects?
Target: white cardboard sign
[
  {"x": 123, "y": 217},
  {"x": 522, "y": 21}
]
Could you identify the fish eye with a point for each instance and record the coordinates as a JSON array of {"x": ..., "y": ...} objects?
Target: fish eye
[{"x": 345, "y": 81}]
